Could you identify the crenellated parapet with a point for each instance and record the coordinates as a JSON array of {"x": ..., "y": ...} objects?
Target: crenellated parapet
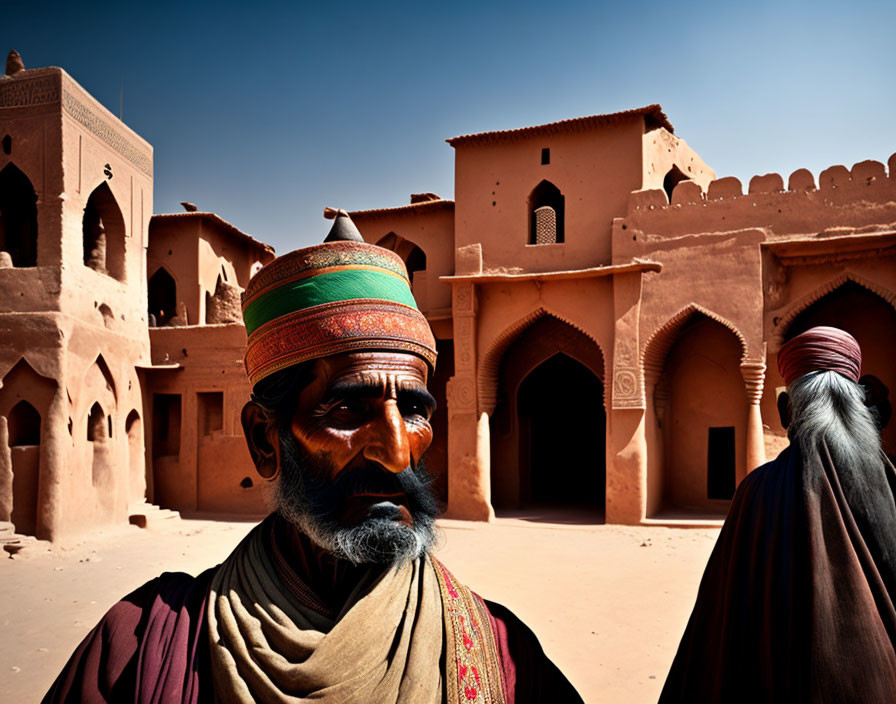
[{"x": 856, "y": 197}]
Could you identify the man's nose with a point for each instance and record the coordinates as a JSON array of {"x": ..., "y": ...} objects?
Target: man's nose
[{"x": 388, "y": 439}]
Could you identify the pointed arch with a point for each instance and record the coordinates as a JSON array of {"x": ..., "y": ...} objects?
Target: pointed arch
[
  {"x": 491, "y": 362},
  {"x": 96, "y": 424},
  {"x": 673, "y": 177},
  {"x": 696, "y": 411},
  {"x": 103, "y": 368},
  {"x": 548, "y": 365},
  {"x": 18, "y": 216},
  {"x": 662, "y": 339},
  {"x": 25, "y": 398},
  {"x": 413, "y": 255},
  {"x": 22, "y": 381},
  {"x": 783, "y": 323},
  {"x": 103, "y": 233},
  {"x": 547, "y": 214}
]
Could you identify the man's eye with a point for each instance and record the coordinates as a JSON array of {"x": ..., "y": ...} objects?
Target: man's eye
[
  {"x": 347, "y": 409},
  {"x": 414, "y": 408}
]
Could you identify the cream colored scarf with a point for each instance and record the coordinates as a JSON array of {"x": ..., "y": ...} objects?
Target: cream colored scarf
[{"x": 385, "y": 647}]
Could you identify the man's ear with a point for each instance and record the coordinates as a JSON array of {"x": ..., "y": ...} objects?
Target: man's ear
[
  {"x": 262, "y": 437},
  {"x": 784, "y": 409}
]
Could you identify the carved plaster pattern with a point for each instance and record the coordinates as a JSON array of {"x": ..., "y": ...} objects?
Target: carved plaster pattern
[
  {"x": 34, "y": 91},
  {"x": 626, "y": 389},
  {"x": 461, "y": 395},
  {"x": 464, "y": 343},
  {"x": 781, "y": 324},
  {"x": 463, "y": 298},
  {"x": 86, "y": 117}
]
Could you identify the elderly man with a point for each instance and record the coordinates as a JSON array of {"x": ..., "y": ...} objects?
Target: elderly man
[
  {"x": 334, "y": 597},
  {"x": 797, "y": 601}
]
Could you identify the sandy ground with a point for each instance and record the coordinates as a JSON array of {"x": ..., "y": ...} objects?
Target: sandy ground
[{"x": 609, "y": 603}]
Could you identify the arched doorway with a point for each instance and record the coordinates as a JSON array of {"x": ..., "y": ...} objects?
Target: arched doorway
[
  {"x": 548, "y": 426},
  {"x": 136, "y": 457},
  {"x": 162, "y": 298},
  {"x": 562, "y": 435},
  {"x": 18, "y": 217},
  {"x": 104, "y": 234},
  {"x": 25, "y": 398},
  {"x": 872, "y": 321},
  {"x": 697, "y": 429},
  {"x": 24, "y": 446}
]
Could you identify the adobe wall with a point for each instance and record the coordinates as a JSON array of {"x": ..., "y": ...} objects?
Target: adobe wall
[
  {"x": 595, "y": 170},
  {"x": 31, "y": 115},
  {"x": 431, "y": 227},
  {"x": 662, "y": 151},
  {"x": 75, "y": 334},
  {"x": 173, "y": 245},
  {"x": 776, "y": 251},
  {"x": 704, "y": 239},
  {"x": 81, "y": 484},
  {"x": 208, "y": 467}
]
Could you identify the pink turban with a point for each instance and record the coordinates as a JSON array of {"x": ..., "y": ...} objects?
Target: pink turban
[{"x": 820, "y": 349}]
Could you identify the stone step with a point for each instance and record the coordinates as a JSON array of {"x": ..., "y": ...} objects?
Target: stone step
[{"x": 146, "y": 515}]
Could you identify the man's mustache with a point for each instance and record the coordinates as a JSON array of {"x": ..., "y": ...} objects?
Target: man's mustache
[{"x": 373, "y": 478}]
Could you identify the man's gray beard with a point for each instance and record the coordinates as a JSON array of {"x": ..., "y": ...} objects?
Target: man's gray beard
[
  {"x": 830, "y": 409},
  {"x": 377, "y": 539}
]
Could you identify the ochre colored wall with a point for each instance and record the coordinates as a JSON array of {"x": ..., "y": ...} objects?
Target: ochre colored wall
[
  {"x": 209, "y": 468},
  {"x": 705, "y": 389},
  {"x": 595, "y": 170},
  {"x": 431, "y": 227}
]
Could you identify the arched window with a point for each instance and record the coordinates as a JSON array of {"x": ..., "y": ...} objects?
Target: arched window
[
  {"x": 546, "y": 214},
  {"x": 18, "y": 217},
  {"x": 673, "y": 177},
  {"x": 162, "y": 297},
  {"x": 103, "y": 230},
  {"x": 23, "y": 425},
  {"x": 96, "y": 424},
  {"x": 414, "y": 257}
]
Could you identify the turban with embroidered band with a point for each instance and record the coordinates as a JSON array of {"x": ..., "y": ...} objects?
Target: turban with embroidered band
[
  {"x": 341, "y": 296},
  {"x": 820, "y": 349}
]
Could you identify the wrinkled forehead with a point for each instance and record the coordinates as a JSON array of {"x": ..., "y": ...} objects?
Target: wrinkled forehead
[{"x": 375, "y": 370}]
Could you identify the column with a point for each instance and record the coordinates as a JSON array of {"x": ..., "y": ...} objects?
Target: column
[
  {"x": 754, "y": 378},
  {"x": 5, "y": 474},
  {"x": 55, "y": 456},
  {"x": 469, "y": 449}
]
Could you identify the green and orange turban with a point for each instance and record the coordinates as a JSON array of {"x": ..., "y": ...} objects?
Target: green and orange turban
[{"x": 340, "y": 296}]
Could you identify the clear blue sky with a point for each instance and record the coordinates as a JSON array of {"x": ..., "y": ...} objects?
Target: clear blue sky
[{"x": 266, "y": 114}]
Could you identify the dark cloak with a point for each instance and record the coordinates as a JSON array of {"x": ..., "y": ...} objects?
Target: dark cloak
[
  {"x": 152, "y": 647},
  {"x": 796, "y": 604}
]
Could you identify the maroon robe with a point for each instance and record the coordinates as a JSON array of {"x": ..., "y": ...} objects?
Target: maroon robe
[
  {"x": 796, "y": 604},
  {"x": 152, "y": 646}
]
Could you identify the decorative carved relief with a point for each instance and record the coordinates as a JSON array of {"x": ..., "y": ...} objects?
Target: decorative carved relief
[
  {"x": 626, "y": 385},
  {"x": 461, "y": 395},
  {"x": 464, "y": 342},
  {"x": 86, "y": 117},
  {"x": 34, "y": 91},
  {"x": 463, "y": 298}
]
